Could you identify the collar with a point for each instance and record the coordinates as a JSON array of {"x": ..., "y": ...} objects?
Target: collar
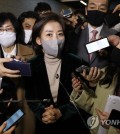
[
  {"x": 98, "y": 28},
  {"x": 50, "y": 59},
  {"x": 8, "y": 55}
]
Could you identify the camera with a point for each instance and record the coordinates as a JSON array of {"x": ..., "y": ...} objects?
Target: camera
[
  {"x": 81, "y": 68},
  {"x": 67, "y": 13}
]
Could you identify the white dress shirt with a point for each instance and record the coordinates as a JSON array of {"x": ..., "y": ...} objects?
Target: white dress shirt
[
  {"x": 91, "y": 29},
  {"x": 8, "y": 55}
]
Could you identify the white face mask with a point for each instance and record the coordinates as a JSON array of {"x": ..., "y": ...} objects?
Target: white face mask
[
  {"x": 28, "y": 34},
  {"x": 53, "y": 47},
  {"x": 7, "y": 39}
]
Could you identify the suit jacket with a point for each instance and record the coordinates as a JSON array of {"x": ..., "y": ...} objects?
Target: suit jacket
[
  {"x": 37, "y": 87},
  {"x": 77, "y": 45}
]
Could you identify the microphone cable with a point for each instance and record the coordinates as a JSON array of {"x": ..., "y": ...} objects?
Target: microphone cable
[{"x": 72, "y": 101}]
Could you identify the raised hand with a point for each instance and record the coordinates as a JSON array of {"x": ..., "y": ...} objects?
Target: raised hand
[{"x": 93, "y": 76}]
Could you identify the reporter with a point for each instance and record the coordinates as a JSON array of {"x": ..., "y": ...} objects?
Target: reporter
[
  {"x": 10, "y": 34},
  {"x": 107, "y": 85},
  {"x": 9, "y": 131}
]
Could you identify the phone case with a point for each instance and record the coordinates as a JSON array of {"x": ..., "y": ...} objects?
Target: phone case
[{"x": 24, "y": 67}]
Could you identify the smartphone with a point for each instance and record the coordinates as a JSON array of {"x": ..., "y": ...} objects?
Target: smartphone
[
  {"x": 86, "y": 88},
  {"x": 81, "y": 68},
  {"x": 24, "y": 67},
  {"x": 14, "y": 119},
  {"x": 97, "y": 45}
]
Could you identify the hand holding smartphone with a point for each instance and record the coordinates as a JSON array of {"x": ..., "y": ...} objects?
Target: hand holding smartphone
[
  {"x": 97, "y": 45},
  {"x": 14, "y": 119},
  {"x": 23, "y": 67}
]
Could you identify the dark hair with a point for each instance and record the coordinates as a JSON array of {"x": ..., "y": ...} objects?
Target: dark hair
[
  {"x": 113, "y": 70},
  {"x": 37, "y": 29},
  {"x": 7, "y": 16},
  {"x": 28, "y": 14},
  {"x": 21, "y": 18},
  {"x": 42, "y": 6},
  {"x": 109, "y": 2}
]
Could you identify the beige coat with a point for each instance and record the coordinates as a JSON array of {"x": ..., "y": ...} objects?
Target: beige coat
[{"x": 89, "y": 104}]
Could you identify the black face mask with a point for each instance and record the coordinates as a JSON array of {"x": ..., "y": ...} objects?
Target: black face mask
[{"x": 95, "y": 17}]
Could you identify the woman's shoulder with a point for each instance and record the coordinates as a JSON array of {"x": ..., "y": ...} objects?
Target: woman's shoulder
[{"x": 20, "y": 46}]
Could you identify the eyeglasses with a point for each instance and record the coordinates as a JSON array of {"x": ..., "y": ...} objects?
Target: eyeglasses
[{"x": 8, "y": 30}]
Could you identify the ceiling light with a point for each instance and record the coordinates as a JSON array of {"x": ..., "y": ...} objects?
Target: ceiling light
[{"x": 84, "y": 3}]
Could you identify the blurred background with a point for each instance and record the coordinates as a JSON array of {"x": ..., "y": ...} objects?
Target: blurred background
[{"x": 18, "y": 6}]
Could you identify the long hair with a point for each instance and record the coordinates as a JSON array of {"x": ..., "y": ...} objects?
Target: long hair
[{"x": 111, "y": 72}]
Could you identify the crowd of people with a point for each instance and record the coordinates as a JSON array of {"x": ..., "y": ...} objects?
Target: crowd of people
[{"x": 55, "y": 46}]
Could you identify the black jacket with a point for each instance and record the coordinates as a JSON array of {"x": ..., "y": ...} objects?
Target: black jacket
[{"x": 37, "y": 88}]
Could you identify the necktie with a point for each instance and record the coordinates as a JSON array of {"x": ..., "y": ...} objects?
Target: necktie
[{"x": 94, "y": 32}]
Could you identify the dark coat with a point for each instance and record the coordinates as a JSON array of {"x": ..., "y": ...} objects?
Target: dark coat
[{"x": 38, "y": 88}]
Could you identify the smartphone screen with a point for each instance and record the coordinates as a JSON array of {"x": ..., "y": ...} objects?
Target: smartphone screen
[
  {"x": 97, "y": 45},
  {"x": 14, "y": 119}
]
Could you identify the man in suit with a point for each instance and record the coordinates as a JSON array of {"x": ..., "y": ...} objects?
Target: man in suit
[{"x": 95, "y": 11}]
